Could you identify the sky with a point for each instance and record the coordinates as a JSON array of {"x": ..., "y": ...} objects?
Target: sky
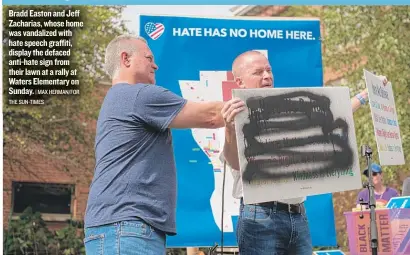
[{"x": 131, "y": 13}]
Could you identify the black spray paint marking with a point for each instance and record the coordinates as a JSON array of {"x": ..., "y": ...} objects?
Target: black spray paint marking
[{"x": 306, "y": 110}]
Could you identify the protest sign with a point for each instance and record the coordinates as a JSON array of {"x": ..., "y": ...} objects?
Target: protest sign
[
  {"x": 385, "y": 122},
  {"x": 296, "y": 142}
]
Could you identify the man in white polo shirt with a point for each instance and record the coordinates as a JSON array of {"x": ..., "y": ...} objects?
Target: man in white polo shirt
[{"x": 278, "y": 227}]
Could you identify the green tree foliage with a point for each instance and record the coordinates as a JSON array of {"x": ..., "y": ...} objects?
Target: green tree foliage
[
  {"x": 30, "y": 235},
  {"x": 60, "y": 124},
  {"x": 375, "y": 38}
]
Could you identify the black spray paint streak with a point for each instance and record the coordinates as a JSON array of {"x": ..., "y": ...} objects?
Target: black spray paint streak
[{"x": 306, "y": 110}]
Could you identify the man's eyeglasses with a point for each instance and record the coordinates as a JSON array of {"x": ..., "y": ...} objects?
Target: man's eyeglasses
[{"x": 375, "y": 174}]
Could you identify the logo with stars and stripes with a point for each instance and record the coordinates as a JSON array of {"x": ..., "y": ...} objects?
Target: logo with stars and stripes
[{"x": 154, "y": 30}]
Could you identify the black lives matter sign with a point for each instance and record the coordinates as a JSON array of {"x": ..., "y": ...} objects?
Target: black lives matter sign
[{"x": 39, "y": 54}]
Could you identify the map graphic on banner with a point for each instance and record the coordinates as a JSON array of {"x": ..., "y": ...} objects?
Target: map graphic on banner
[
  {"x": 215, "y": 86},
  {"x": 385, "y": 122},
  {"x": 211, "y": 142},
  {"x": 195, "y": 56},
  {"x": 295, "y": 142}
]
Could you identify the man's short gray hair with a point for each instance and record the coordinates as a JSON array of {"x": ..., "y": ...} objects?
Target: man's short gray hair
[{"x": 114, "y": 49}]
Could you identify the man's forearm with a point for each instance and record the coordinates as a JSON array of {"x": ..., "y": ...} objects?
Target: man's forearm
[
  {"x": 361, "y": 98},
  {"x": 231, "y": 149},
  {"x": 210, "y": 113},
  {"x": 219, "y": 120}
]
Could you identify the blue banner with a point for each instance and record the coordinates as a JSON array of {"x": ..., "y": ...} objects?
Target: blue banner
[{"x": 195, "y": 56}]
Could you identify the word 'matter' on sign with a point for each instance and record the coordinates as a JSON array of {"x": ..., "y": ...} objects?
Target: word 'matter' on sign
[{"x": 393, "y": 231}]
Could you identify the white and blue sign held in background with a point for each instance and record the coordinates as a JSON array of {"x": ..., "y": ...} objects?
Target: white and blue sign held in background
[{"x": 195, "y": 56}]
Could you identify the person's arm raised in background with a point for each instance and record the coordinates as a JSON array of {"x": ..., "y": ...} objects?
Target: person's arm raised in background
[{"x": 361, "y": 98}]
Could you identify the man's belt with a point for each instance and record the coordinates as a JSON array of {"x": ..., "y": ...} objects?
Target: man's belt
[{"x": 290, "y": 208}]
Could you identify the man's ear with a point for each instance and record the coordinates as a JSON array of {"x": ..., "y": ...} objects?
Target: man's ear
[
  {"x": 125, "y": 60},
  {"x": 239, "y": 82}
]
